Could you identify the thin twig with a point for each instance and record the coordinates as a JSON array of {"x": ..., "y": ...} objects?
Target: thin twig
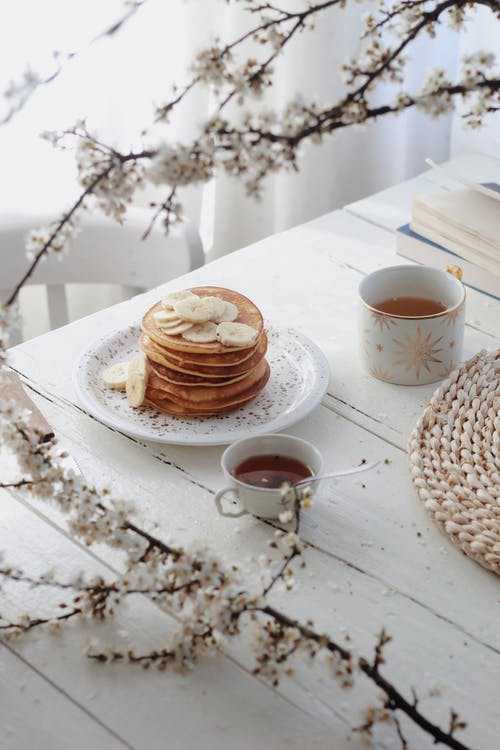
[
  {"x": 25, "y": 626},
  {"x": 67, "y": 217},
  {"x": 166, "y": 206},
  {"x": 396, "y": 699}
]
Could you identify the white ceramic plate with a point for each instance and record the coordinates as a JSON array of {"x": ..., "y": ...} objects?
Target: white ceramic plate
[{"x": 298, "y": 382}]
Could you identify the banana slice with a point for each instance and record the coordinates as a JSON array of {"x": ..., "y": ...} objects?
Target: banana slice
[
  {"x": 229, "y": 313},
  {"x": 236, "y": 334},
  {"x": 116, "y": 376},
  {"x": 173, "y": 330},
  {"x": 217, "y": 305},
  {"x": 165, "y": 316},
  {"x": 173, "y": 323},
  {"x": 201, "y": 333},
  {"x": 194, "y": 310},
  {"x": 171, "y": 298},
  {"x": 137, "y": 380}
]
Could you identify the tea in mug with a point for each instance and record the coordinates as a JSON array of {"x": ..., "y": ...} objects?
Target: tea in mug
[
  {"x": 410, "y": 307},
  {"x": 271, "y": 471}
]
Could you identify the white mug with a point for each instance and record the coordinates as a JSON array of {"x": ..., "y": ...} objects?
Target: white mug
[
  {"x": 262, "y": 501},
  {"x": 411, "y": 350}
]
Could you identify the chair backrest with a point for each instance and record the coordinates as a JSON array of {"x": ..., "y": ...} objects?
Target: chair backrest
[{"x": 103, "y": 252}]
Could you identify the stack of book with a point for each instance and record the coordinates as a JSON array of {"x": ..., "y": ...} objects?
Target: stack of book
[{"x": 457, "y": 227}]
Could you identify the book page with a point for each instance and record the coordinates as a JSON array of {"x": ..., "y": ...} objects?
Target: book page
[{"x": 491, "y": 189}]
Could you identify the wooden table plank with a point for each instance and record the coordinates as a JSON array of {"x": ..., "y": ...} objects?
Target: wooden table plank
[{"x": 36, "y": 715}]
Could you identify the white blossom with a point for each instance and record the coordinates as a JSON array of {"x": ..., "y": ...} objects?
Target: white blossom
[
  {"x": 179, "y": 165},
  {"x": 10, "y": 320},
  {"x": 112, "y": 180},
  {"x": 286, "y": 516},
  {"x": 210, "y": 65}
]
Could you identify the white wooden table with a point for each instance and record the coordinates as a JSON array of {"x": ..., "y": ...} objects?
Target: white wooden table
[{"x": 374, "y": 558}]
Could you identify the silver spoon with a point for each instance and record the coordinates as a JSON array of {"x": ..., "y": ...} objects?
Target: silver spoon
[{"x": 344, "y": 473}]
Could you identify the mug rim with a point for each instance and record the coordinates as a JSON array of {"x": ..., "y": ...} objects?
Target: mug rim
[
  {"x": 267, "y": 435},
  {"x": 413, "y": 268}
]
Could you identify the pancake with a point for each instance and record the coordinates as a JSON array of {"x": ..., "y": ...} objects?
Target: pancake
[
  {"x": 248, "y": 313},
  {"x": 164, "y": 403},
  {"x": 185, "y": 379},
  {"x": 212, "y": 360},
  {"x": 206, "y": 394},
  {"x": 162, "y": 357},
  {"x": 169, "y": 407}
]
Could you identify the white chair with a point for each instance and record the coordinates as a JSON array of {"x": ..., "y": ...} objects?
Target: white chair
[{"x": 103, "y": 252}]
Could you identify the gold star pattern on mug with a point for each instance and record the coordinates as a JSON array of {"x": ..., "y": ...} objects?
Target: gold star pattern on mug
[
  {"x": 382, "y": 321},
  {"x": 417, "y": 353},
  {"x": 451, "y": 316}
]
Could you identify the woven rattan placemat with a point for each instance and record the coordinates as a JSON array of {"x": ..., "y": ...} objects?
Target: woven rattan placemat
[{"x": 454, "y": 455}]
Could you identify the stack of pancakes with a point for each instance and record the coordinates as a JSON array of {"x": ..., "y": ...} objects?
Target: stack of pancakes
[{"x": 188, "y": 378}]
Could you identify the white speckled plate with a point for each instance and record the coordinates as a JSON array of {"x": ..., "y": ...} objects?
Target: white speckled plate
[{"x": 298, "y": 382}]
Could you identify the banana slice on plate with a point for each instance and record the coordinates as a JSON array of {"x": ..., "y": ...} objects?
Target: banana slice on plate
[
  {"x": 201, "y": 333},
  {"x": 116, "y": 376},
  {"x": 194, "y": 310},
  {"x": 236, "y": 334},
  {"x": 137, "y": 380},
  {"x": 171, "y": 298}
]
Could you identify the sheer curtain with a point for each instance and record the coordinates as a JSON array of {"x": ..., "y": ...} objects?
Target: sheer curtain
[
  {"x": 115, "y": 82},
  {"x": 483, "y": 34}
]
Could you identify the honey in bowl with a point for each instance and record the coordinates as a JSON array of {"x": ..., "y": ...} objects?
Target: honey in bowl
[
  {"x": 410, "y": 307},
  {"x": 271, "y": 471}
]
